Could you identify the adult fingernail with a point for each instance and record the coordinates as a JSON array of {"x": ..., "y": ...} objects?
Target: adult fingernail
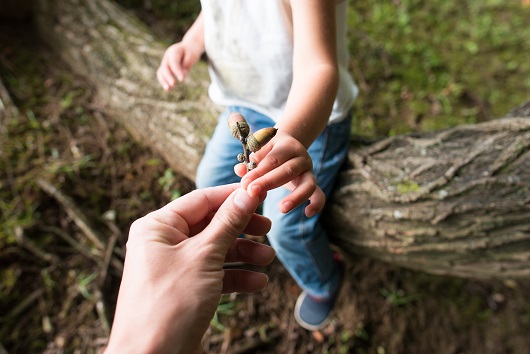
[{"x": 244, "y": 201}]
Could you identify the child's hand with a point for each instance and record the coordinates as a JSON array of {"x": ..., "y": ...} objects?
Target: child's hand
[
  {"x": 284, "y": 161},
  {"x": 177, "y": 61}
]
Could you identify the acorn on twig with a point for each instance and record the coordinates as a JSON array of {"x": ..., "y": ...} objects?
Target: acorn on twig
[
  {"x": 240, "y": 130},
  {"x": 238, "y": 126},
  {"x": 257, "y": 140}
]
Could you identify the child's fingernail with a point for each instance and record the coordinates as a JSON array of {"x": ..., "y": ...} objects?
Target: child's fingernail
[
  {"x": 255, "y": 190},
  {"x": 244, "y": 201},
  {"x": 287, "y": 206}
]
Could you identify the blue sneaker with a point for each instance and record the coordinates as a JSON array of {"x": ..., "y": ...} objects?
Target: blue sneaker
[{"x": 314, "y": 313}]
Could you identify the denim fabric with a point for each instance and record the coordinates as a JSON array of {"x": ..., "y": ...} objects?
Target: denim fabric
[{"x": 301, "y": 243}]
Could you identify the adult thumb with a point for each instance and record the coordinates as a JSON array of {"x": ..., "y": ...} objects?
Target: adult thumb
[{"x": 231, "y": 218}]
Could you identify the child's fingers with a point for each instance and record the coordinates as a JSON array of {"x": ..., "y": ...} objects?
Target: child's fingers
[
  {"x": 316, "y": 203},
  {"x": 164, "y": 76},
  {"x": 304, "y": 188},
  {"x": 240, "y": 169},
  {"x": 175, "y": 65},
  {"x": 276, "y": 160},
  {"x": 274, "y": 178}
]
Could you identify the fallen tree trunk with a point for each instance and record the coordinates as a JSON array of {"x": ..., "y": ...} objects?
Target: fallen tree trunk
[{"x": 453, "y": 202}]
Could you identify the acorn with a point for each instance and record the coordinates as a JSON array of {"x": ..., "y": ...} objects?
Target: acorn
[
  {"x": 251, "y": 165},
  {"x": 241, "y": 157},
  {"x": 258, "y": 139},
  {"x": 238, "y": 126}
]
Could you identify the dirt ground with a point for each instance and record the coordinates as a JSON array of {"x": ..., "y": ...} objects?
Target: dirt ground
[
  {"x": 383, "y": 309},
  {"x": 51, "y": 304}
]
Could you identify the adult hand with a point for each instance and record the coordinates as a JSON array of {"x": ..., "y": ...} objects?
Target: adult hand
[
  {"x": 173, "y": 275},
  {"x": 284, "y": 161}
]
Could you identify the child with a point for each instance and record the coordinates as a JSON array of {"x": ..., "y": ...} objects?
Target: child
[{"x": 280, "y": 63}]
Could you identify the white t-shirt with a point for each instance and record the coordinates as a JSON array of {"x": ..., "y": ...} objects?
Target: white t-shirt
[{"x": 249, "y": 44}]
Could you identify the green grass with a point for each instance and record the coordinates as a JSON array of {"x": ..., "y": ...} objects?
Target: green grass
[{"x": 427, "y": 65}]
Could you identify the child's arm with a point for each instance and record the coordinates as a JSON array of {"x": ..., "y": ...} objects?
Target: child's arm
[
  {"x": 315, "y": 70},
  {"x": 285, "y": 161},
  {"x": 180, "y": 57}
]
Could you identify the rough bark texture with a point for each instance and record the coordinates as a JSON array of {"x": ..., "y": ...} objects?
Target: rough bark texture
[
  {"x": 453, "y": 202},
  {"x": 117, "y": 53}
]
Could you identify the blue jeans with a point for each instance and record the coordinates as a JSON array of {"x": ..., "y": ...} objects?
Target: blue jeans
[{"x": 301, "y": 243}]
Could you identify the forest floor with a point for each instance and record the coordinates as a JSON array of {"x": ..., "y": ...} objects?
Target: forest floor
[{"x": 58, "y": 287}]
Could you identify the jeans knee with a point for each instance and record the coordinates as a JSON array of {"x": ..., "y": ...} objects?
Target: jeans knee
[{"x": 201, "y": 180}]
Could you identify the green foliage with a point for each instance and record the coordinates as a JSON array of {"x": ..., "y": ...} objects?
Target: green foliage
[
  {"x": 405, "y": 187},
  {"x": 167, "y": 182},
  {"x": 424, "y": 65},
  {"x": 224, "y": 308},
  {"x": 397, "y": 298}
]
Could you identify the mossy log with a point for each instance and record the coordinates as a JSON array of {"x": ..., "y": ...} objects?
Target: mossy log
[{"x": 454, "y": 202}]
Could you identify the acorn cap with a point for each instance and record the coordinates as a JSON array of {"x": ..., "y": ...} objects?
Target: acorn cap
[
  {"x": 238, "y": 125},
  {"x": 257, "y": 140}
]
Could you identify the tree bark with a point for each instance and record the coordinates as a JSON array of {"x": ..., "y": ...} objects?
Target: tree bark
[
  {"x": 453, "y": 202},
  {"x": 119, "y": 56}
]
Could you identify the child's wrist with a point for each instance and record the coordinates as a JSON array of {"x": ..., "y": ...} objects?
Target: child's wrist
[
  {"x": 193, "y": 45},
  {"x": 284, "y": 133}
]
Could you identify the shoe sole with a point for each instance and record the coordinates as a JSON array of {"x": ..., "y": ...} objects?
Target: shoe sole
[
  {"x": 303, "y": 323},
  {"x": 324, "y": 323}
]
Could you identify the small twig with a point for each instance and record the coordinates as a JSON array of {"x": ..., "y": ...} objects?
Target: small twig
[
  {"x": 74, "y": 212},
  {"x": 253, "y": 344},
  {"x": 3, "y": 350},
  {"x": 101, "y": 309},
  {"x": 107, "y": 259},
  {"x": 88, "y": 252},
  {"x": 24, "y": 304},
  {"x": 29, "y": 245},
  {"x": 246, "y": 151}
]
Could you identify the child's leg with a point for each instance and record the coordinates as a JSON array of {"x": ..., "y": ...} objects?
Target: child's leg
[{"x": 300, "y": 242}]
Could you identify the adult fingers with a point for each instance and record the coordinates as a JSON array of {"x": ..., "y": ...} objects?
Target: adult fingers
[
  {"x": 230, "y": 220},
  {"x": 243, "y": 281},
  {"x": 194, "y": 207},
  {"x": 258, "y": 225},
  {"x": 250, "y": 252}
]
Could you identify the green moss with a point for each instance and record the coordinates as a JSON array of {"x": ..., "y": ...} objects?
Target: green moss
[{"x": 406, "y": 187}]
